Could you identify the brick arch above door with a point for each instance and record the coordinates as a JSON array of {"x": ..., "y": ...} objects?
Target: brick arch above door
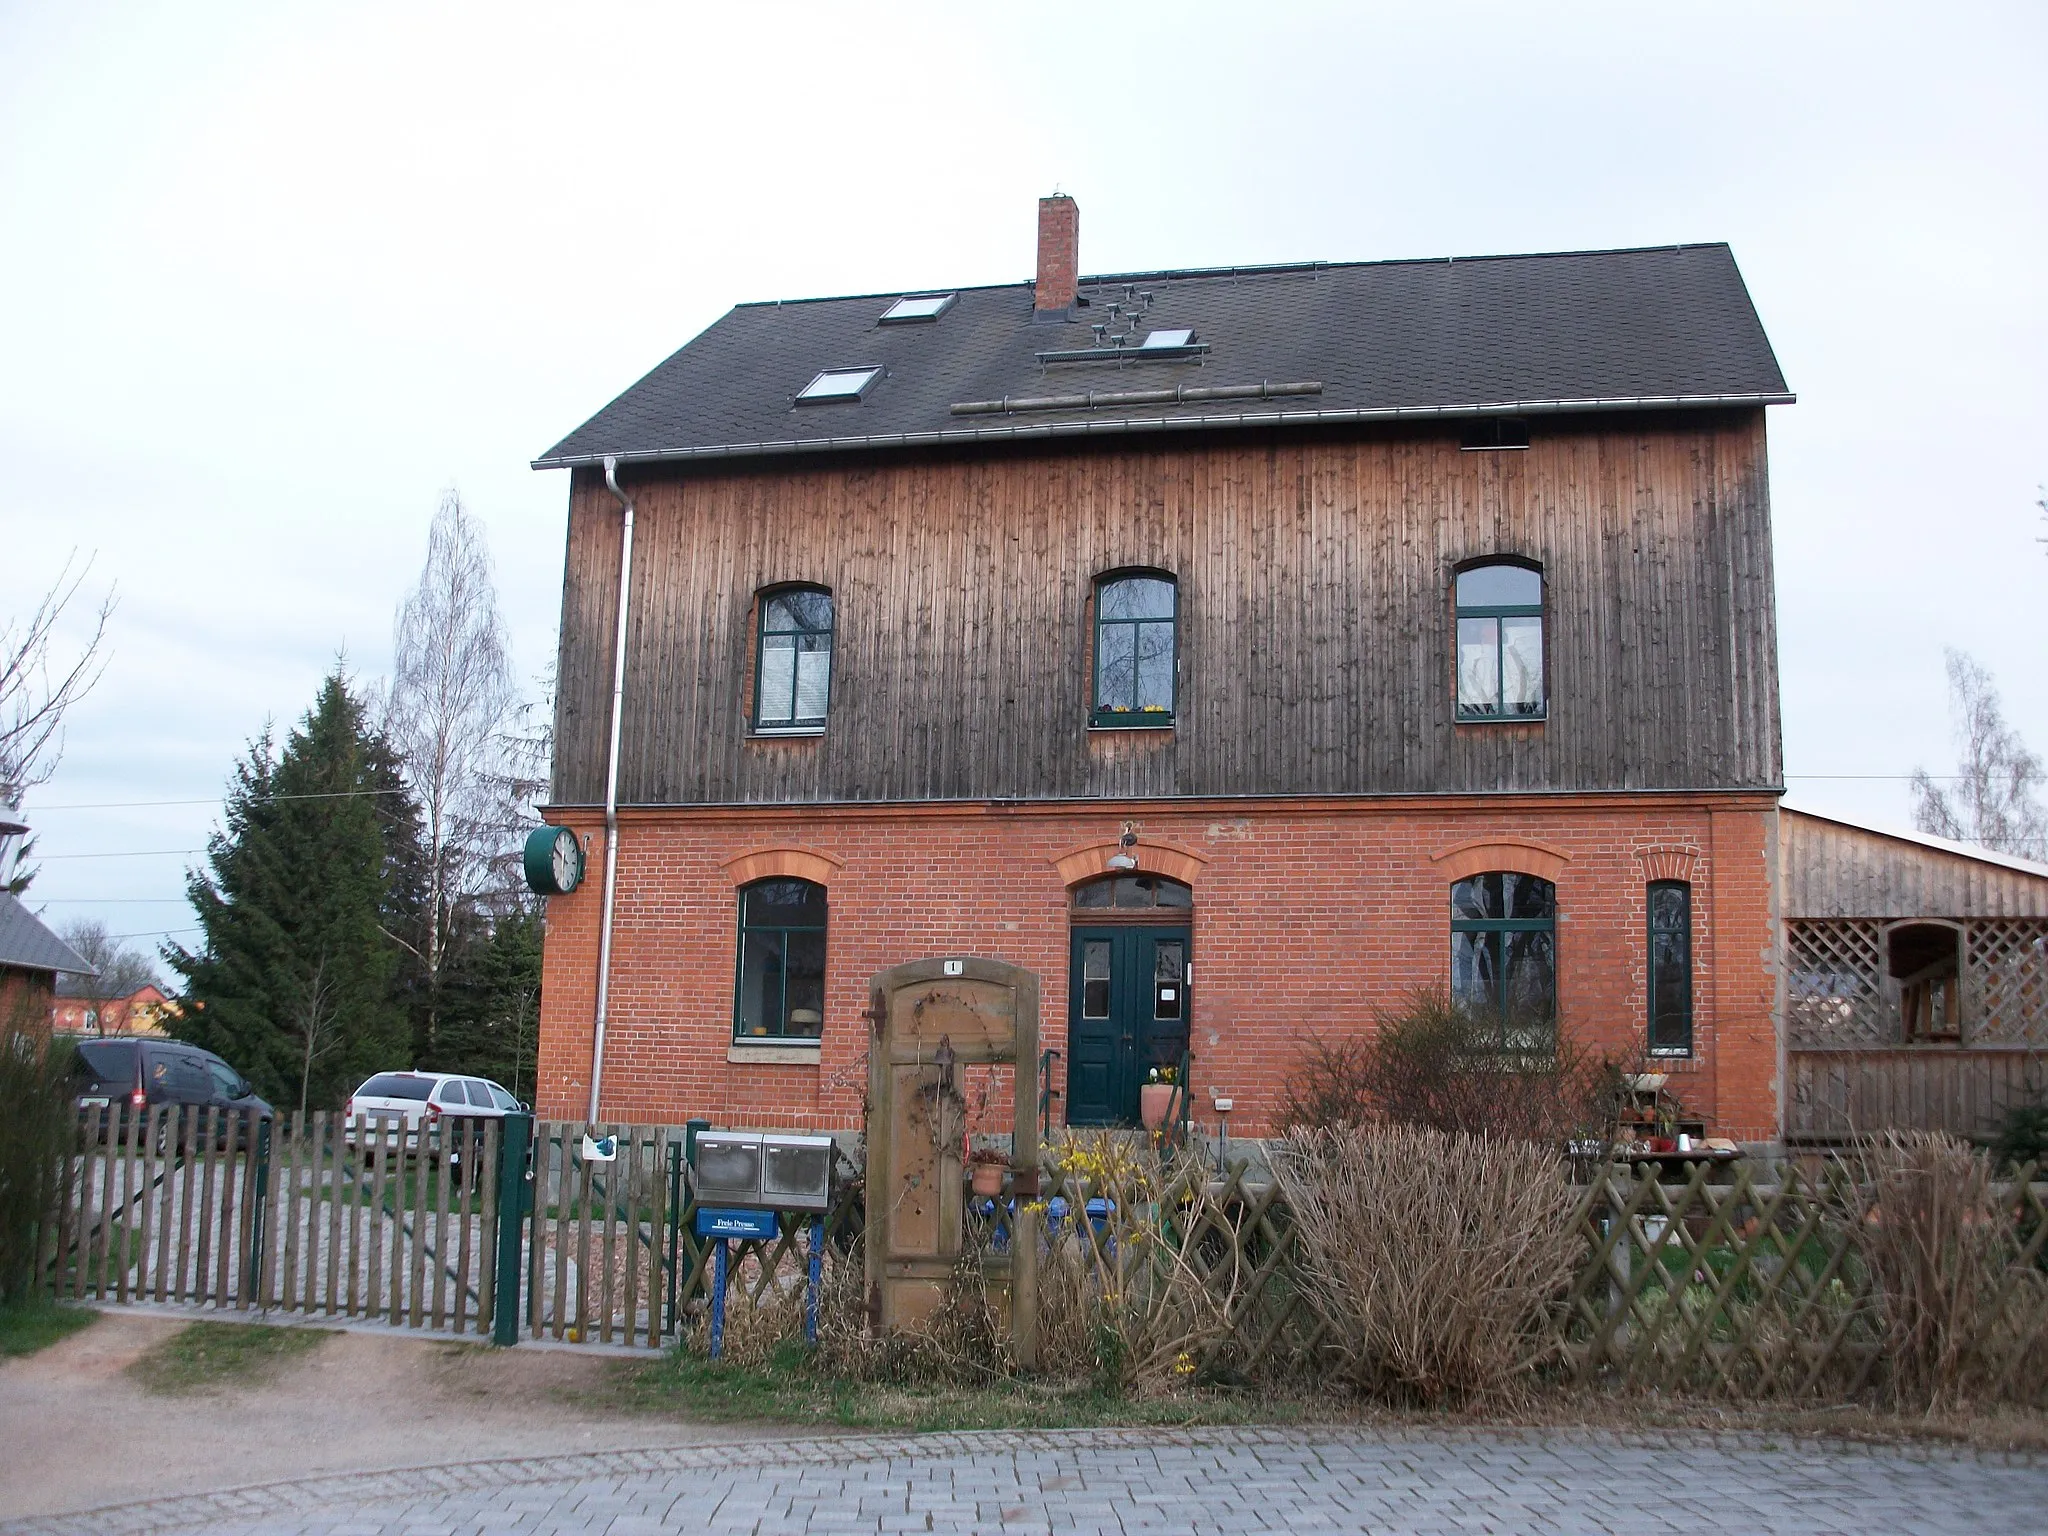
[
  {"x": 1522, "y": 855},
  {"x": 1091, "y": 860}
]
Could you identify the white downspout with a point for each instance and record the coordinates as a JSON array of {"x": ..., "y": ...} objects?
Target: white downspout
[{"x": 611, "y": 790}]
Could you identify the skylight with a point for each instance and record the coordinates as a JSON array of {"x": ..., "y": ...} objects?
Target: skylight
[
  {"x": 837, "y": 384},
  {"x": 1168, "y": 339},
  {"x": 917, "y": 306}
]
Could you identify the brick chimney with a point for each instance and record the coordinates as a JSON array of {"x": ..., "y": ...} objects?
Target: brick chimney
[{"x": 1059, "y": 257}]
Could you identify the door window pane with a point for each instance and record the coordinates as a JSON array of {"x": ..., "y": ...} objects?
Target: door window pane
[
  {"x": 1167, "y": 985},
  {"x": 1095, "y": 979}
]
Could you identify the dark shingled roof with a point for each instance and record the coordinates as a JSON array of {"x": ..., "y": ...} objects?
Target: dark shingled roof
[
  {"x": 25, "y": 944},
  {"x": 1501, "y": 335}
]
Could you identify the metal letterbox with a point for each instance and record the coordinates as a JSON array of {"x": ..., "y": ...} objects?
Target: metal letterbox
[
  {"x": 796, "y": 1172},
  {"x": 729, "y": 1167}
]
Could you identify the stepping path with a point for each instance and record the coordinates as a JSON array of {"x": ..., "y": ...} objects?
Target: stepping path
[{"x": 1222, "y": 1481}]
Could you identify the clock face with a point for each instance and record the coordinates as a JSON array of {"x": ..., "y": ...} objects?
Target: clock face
[
  {"x": 554, "y": 860},
  {"x": 567, "y": 860}
]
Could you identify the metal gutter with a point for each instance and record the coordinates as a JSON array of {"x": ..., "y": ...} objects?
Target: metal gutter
[{"x": 1023, "y": 431}]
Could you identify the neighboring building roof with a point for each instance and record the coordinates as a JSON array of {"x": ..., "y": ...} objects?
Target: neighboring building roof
[
  {"x": 1929, "y": 840},
  {"x": 1833, "y": 868},
  {"x": 25, "y": 944},
  {"x": 1664, "y": 326}
]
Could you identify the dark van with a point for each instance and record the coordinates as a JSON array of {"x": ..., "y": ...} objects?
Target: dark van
[{"x": 109, "y": 1073}]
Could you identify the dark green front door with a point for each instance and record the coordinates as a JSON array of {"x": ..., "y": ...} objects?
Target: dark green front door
[{"x": 1127, "y": 1012}]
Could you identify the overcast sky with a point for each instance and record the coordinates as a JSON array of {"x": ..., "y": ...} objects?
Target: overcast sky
[{"x": 275, "y": 275}]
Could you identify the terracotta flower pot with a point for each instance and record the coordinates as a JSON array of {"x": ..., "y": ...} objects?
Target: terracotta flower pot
[
  {"x": 1155, "y": 1103},
  {"x": 986, "y": 1179}
]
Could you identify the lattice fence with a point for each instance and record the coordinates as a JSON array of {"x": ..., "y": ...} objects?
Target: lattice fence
[
  {"x": 1744, "y": 1285},
  {"x": 1835, "y": 994},
  {"x": 2007, "y": 967}
]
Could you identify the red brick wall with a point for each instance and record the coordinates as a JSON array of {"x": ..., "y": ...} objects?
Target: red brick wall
[{"x": 1308, "y": 915}]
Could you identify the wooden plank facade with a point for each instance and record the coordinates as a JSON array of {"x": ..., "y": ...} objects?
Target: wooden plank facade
[{"x": 1315, "y": 640}]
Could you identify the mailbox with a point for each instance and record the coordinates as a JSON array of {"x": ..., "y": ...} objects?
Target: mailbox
[
  {"x": 764, "y": 1172},
  {"x": 796, "y": 1172}
]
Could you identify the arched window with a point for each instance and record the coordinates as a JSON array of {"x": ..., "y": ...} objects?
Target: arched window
[
  {"x": 1134, "y": 650},
  {"x": 781, "y": 990},
  {"x": 1670, "y": 968},
  {"x": 1500, "y": 642},
  {"x": 793, "y": 659},
  {"x": 1504, "y": 955}
]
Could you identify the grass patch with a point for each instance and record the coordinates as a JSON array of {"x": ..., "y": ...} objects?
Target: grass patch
[
  {"x": 209, "y": 1357},
  {"x": 39, "y": 1323},
  {"x": 793, "y": 1389}
]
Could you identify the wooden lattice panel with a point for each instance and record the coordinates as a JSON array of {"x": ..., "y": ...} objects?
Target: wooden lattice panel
[
  {"x": 1834, "y": 985},
  {"x": 2008, "y": 974}
]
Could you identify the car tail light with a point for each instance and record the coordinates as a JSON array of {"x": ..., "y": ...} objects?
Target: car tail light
[
  {"x": 433, "y": 1114},
  {"x": 350, "y": 1112},
  {"x": 138, "y": 1098}
]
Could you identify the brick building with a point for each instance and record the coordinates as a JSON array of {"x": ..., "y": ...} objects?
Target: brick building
[{"x": 1237, "y": 650}]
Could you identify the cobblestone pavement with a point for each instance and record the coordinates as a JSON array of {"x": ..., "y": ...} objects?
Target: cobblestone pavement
[{"x": 1147, "y": 1480}]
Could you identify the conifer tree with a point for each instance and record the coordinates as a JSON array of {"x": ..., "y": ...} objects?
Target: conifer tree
[{"x": 296, "y": 981}]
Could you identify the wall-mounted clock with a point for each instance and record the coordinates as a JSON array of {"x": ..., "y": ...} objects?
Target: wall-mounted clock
[{"x": 554, "y": 861}]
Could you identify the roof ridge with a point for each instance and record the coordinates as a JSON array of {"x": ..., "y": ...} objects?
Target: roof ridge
[{"x": 1253, "y": 269}]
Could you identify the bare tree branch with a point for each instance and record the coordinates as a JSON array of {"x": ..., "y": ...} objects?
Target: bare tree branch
[{"x": 36, "y": 692}]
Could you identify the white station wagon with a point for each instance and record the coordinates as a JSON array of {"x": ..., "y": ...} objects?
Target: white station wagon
[{"x": 422, "y": 1100}]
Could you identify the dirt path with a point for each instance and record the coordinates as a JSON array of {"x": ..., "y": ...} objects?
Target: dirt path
[{"x": 78, "y": 1432}]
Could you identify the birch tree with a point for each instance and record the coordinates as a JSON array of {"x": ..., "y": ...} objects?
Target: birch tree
[
  {"x": 1993, "y": 801},
  {"x": 450, "y": 708}
]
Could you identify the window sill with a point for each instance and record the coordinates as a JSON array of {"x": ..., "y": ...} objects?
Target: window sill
[
  {"x": 1137, "y": 723},
  {"x": 783, "y": 732},
  {"x": 1668, "y": 1053},
  {"x": 781, "y": 1053},
  {"x": 1501, "y": 719}
]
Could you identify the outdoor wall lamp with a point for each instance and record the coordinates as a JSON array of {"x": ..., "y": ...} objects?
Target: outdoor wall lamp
[{"x": 1123, "y": 858}]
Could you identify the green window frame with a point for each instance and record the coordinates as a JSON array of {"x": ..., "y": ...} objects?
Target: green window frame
[
  {"x": 792, "y": 659},
  {"x": 1670, "y": 967},
  {"x": 1137, "y": 650},
  {"x": 779, "y": 973},
  {"x": 1504, "y": 955},
  {"x": 1500, "y": 650}
]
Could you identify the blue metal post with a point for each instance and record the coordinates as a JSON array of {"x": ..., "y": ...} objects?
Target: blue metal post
[
  {"x": 718, "y": 1299},
  {"x": 817, "y": 1281}
]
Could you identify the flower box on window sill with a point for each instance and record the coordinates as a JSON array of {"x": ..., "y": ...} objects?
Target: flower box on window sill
[
  {"x": 786, "y": 1050},
  {"x": 1152, "y": 718}
]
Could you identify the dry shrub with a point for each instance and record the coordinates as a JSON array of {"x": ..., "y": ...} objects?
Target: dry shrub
[
  {"x": 1453, "y": 1069},
  {"x": 1137, "y": 1298},
  {"x": 1941, "y": 1252},
  {"x": 1437, "y": 1259}
]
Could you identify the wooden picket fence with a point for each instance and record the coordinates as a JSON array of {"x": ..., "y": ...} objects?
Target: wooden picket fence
[{"x": 308, "y": 1215}]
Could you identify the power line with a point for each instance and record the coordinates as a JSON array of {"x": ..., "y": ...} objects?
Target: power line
[
  {"x": 123, "y": 805},
  {"x": 108, "y": 901},
  {"x": 135, "y": 853}
]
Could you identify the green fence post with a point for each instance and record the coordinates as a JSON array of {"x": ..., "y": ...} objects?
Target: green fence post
[{"x": 512, "y": 1208}]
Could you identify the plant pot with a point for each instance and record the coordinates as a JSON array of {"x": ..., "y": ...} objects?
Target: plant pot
[
  {"x": 1155, "y": 1103},
  {"x": 986, "y": 1179}
]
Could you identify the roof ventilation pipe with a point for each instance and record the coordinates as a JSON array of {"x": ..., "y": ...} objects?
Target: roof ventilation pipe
[{"x": 611, "y": 788}]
